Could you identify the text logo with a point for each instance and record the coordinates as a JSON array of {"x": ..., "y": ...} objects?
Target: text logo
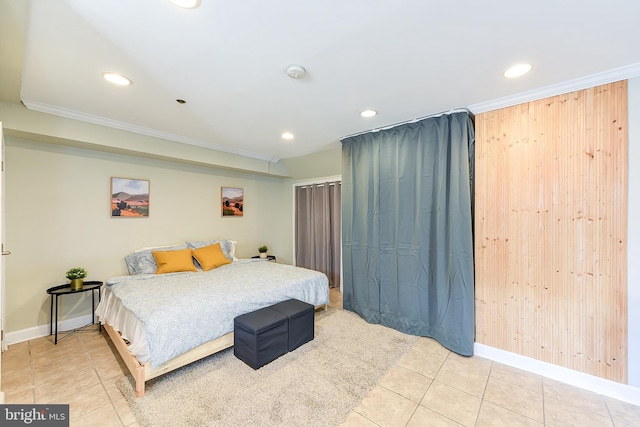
[{"x": 34, "y": 415}]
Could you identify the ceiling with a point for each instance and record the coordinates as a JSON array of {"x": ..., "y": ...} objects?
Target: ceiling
[{"x": 227, "y": 59}]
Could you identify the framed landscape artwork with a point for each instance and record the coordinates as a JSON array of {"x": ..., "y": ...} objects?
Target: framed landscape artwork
[
  {"x": 232, "y": 202},
  {"x": 129, "y": 198}
]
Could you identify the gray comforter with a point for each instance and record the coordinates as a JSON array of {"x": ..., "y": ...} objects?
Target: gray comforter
[{"x": 181, "y": 311}]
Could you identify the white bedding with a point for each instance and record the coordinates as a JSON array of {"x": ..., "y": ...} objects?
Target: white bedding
[
  {"x": 111, "y": 311},
  {"x": 163, "y": 316}
]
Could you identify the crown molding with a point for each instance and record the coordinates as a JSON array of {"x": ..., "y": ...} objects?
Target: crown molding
[
  {"x": 102, "y": 121},
  {"x": 613, "y": 75}
]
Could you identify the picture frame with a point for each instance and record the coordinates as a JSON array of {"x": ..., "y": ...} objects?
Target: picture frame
[
  {"x": 129, "y": 198},
  {"x": 232, "y": 202}
]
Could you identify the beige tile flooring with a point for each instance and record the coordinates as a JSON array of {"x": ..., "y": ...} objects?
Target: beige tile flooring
[
  {"x": 429, "y": 386},
  {"x": 80, "y": 371}
]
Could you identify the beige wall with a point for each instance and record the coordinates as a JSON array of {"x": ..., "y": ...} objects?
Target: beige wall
[
  {"x": 57, "y": 217},
  {"x": 320, "y": 164}
]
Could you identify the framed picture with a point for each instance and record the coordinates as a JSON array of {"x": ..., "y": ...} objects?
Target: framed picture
[
  {"x": 129, "y": 198},
  {"x": 232, "y": 202}
]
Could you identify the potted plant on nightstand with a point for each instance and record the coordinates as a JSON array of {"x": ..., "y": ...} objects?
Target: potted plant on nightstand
[
  {"x": 263, "y": 251},
  {"x": 76, "y": 275}
]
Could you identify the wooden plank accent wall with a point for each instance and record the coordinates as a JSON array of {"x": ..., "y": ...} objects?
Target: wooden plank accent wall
[{"x": 551, "y": 230}]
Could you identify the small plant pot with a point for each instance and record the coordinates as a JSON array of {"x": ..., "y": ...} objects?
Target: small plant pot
[
  {"x": 263, "y": 254},
  {"x": 76, "y": 284}
]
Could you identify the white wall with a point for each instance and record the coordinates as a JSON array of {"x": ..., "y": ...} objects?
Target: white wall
[
  {"x": 58, "y": 216},
  {"x": 633, "y": 257}
]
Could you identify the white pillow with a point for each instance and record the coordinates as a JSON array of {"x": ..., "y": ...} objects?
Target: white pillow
[
  {"x": 149, "y": 248},
  {"x": 232, "y": 252}
]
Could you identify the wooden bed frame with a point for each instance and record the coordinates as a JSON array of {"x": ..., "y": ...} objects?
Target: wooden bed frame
[{"x": 143, "y": 373}]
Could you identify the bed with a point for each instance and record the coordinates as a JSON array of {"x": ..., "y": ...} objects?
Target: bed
[{"x": 160, "y": 322}]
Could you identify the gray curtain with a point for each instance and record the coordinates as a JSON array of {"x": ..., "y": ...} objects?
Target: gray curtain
[
  {"x": 407, "y": 229},
  {"x": 317, "y": 230}
]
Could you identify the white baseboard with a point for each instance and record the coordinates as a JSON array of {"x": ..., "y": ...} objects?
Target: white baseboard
[
  {"x": 43, "y": 330},
  {"x": 592, "y": 383}
]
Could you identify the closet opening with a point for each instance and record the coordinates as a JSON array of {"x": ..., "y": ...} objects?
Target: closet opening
[{"x": 317, "y": 229}]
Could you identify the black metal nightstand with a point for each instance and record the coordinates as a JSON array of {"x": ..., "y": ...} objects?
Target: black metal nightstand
[
  {"x": 268, "y": 258},
  {"x": 56, "y": 291}
]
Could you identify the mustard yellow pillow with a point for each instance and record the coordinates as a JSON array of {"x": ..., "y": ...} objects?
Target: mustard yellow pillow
[
  {"x": 210, "y": 257},
  {"x": 174, "y": 261}
]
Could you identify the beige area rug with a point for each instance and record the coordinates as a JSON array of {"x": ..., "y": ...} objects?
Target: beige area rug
[{"x": 318, "y": 384}]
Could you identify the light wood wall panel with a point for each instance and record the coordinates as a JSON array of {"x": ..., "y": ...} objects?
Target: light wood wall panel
[{"x": 550, "y": 230}]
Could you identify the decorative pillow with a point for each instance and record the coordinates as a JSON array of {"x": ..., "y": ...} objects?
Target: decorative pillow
[
  {"x": 210, "y": 257},
  {"x": 228, "y": 246},
  {"x": 174, "y": 261},
  {"x": 143, "y": 262}
]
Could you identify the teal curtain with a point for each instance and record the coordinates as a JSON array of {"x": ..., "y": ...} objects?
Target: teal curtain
[{"x": 407, "y": 228}]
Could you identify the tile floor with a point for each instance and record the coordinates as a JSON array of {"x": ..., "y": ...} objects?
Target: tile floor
[
  {"x": 429, "y": 386},
  {"x": 81, "y": 370}
]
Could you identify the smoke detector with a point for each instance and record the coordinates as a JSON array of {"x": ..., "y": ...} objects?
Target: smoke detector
[{"x": 296, "y": 71}]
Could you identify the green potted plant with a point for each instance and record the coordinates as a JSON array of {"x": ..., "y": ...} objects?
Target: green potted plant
[
  {"x": 263, "y": 251},
  {"x": 76, "y": 275}
]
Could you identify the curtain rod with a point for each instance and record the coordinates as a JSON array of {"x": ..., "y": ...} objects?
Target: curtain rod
[
  {"x": 455, "y": 110},
  {"x": 318, "y": 185}
]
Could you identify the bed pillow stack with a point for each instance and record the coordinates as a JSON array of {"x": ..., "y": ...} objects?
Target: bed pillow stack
[{"x": 208, "y": 254}]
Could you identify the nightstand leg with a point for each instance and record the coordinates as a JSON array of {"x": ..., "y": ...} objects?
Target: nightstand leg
[
  {"x": 55, "y": 341},
  {"x": 99, "y": 299},
  {"x": 51, "y": 317}
]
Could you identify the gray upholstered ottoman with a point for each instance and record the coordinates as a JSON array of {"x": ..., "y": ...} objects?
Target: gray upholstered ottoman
[
  {"x": 260, "y": 337},
  {"x": 301, "y": 321}
]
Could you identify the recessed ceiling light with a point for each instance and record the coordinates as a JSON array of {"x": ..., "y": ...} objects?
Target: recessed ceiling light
[
  {"x": 517, "y": 70},
  {"x": 287, "y": 135},
  {"x": 117, "y": 79},
  {"x": 187, "y": 4},
  {"x": 368, "y": 113}
]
